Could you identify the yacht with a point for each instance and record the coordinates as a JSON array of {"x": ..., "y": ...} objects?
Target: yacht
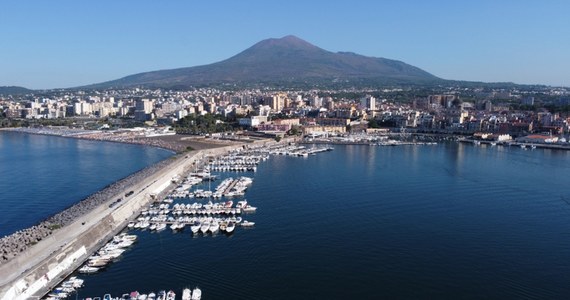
[
  {"x": 230, "y": 227},
  {"x": 204, "y": 228},
  {"x": 196, "y": 294},
  {"x": 160, "y": 226},
  {"x": 195, "y": 227},
  {"x": 171, "y": 295},
  {"x": 88, "y": 270},
  {"x": 214, "y": 227},
  {"x": 186, "y": 294},
  {"x": 249, "y": 209},
  {"x": 247, "y": 223}
]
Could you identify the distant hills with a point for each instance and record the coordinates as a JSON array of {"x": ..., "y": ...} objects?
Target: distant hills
[
  {"x": 14, "y": 90},
  {"x": 287, "y": 60}
]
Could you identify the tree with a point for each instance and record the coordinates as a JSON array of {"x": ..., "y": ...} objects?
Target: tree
[{"x": 373, "y": 123}]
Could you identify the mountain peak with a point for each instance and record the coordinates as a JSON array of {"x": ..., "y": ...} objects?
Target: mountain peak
[
  {"x": 288, "y": 41},
  {"x": 286, "y": 59}
]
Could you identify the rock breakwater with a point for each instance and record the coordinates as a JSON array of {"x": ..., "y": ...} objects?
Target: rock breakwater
[{"x": 17, "y": 242}]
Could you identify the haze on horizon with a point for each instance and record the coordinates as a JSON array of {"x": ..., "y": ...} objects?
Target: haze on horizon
[{"x": 67, "y": 43}]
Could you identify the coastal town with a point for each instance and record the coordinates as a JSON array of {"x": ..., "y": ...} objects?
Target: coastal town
[{"x": 528, "y": 114}]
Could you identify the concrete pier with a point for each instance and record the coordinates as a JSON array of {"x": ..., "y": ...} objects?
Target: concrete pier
[{"x": 38, "y": 269}]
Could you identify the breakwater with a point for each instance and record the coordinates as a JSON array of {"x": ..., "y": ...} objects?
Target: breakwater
[
  {"x": 86, "y": 227},
  {"x": 16, "y": 243}
]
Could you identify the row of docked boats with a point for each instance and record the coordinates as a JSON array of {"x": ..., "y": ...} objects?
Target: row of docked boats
[
  {"x": 187, "y": 294},
  {"x": 289, "y": 150},
  {"x": 204, "y": 224},
  {"x": 237, "y": 162},
  {"x": 65, "y": 289},
  {"x": 232, "y": 187},
  {"x": 155, "y": 213},
  {"x": 111, "y": 251},
  {"x": 195, "y": 294}
]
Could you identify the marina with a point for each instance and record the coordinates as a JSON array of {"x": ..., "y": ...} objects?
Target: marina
[{"x": 218, "y": 212}]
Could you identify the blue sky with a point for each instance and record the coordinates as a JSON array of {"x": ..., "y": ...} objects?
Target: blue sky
[{"x": 57, "y": 44}]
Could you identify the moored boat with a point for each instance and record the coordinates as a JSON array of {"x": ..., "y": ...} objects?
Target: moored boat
[
  {"x": 186, "y": 294},
  {"x": 204, "y": 228},
  {"x": 246, "y": 223},
  {"x": 214, "y": 227},
  {"x": 230, "y": 227},
  {"x": 196, "y": 294},
  {"x": 195, "y": 227},
  {"x": 88, "y": 270}
]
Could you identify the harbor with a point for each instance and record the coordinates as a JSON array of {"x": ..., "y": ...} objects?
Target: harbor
[
  {"x": 39, "y": 268},
  {"x": 154, "y": 199}
]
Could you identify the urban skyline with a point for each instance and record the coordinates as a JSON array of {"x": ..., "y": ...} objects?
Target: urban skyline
[{"x": 67, "y": 44}]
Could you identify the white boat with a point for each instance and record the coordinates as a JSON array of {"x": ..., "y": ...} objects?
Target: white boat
[
  {"x": 195, "y": 227},
  {"x": 247, "y": 223},
  {"x": 196, "y": 294},
  {"x": 186, "y": 294},
  {"x": 160, "y": 226},
  {"x": 214, "y": 227},
  {"x": 249, "y": 209},
  {"x": 98, "y": 262},
  {"x": 171, "y": 295},
  {"x": 204, "y": 228},
  {"x": 88, "y": 270},
  {"x": 230, "y": 227},
  {"x": 174, "y": 226}
]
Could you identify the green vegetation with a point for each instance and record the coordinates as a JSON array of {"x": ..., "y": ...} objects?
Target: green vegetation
[
  {"x": 203, "y": 124},
  {"x": 373, "y": 123}
]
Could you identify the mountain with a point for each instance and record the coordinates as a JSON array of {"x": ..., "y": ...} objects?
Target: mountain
[
  {"x": 14, "y": 90},
  {"x": 286, "y": 60}
]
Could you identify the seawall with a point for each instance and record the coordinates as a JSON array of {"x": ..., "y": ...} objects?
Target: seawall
[{"x": 37, "y": 270}]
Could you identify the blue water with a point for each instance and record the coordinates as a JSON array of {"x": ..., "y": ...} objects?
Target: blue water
[
  {"x": 42, "y": 175},
  {"x": 451, "y": 221}
]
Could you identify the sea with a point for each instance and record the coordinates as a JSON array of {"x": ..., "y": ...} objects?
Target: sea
[
  {"x": 446, "y": 221},
  {"x": 42, "y": 175}
]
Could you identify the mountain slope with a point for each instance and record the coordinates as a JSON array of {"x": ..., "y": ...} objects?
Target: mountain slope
[
  {"x": 288, "y": 59},
  {"x": 14, "y": 90}
]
